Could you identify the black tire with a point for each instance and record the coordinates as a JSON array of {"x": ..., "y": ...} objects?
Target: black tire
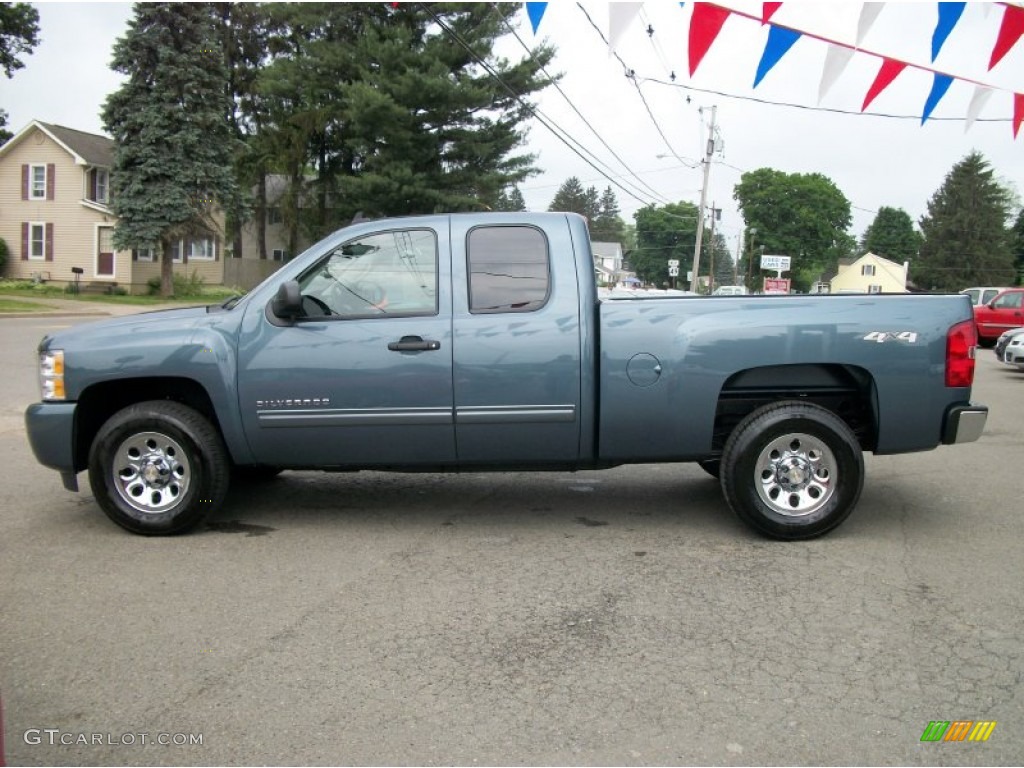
[
  {"x": 712, "y": 466},
  {"x": 158, "y": 468},
  {"x": 792, "y": 470}
]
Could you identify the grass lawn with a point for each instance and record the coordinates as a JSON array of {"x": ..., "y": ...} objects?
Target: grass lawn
[{"x": 17, "y": 305}]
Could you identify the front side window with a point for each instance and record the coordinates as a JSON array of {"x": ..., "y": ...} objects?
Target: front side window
[
  {"x": 390, "y": 273},
  {"x": 37, "y": 241},
  {"x": 508, "y": 269},
  {"x": 1009, "y": 301},
  {"x": 37, "y": 183}
]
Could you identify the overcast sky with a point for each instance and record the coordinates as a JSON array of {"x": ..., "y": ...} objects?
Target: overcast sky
[{"x": 875, "y": 161}]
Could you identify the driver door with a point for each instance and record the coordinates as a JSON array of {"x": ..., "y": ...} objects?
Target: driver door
[{"x": 364, "y": 377}]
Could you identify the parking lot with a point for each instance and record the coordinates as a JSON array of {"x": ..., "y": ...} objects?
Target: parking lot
[{"x": 619, "y": 617}]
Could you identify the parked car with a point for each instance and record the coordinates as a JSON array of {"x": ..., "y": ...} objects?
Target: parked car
[
  {"x": 982, "y": 295},
  {"x": 1004, "y": 340},
  {"x": 1013, "y": 353},
  {"x": 1004, "y": 312},
  {"x": 730, "y": 290}
]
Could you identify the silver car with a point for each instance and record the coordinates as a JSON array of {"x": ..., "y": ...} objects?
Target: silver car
[{"x": 1010, "y": 347}]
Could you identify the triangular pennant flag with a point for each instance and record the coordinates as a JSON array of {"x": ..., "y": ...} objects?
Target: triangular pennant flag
[
  {"x": 705, "y": 24},
  {"x": 620, "y": 16},
  {"x": 949, "y": 15},
  {"x": 1018, "y": 112},
  {"x": 536, "y": 12},
  {"x": 981, "y": 95},
  {"x": 868, "y": 13},
  {"x": 780, "y": 40},
  {"x": 1010, "y": 32},
  {"x": 886, "y": 74},
  {"x": 836, "y": 60},
  {"x": 767, "y": 11},
  {"x": 940, "y": 85}
]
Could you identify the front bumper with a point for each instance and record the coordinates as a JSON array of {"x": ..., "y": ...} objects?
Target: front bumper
[
  {"x": 964, "y": 423},
  {"x": 51, "y": 433}
]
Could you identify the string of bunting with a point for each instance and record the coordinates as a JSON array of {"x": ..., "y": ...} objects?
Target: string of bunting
[{"x": 707, "y": 20}]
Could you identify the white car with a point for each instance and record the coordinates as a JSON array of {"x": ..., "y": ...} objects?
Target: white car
[
  {"x": 730, "y": 290},
  {"x": 982, "y": 295},
  {"x": 1010, "y": 347}
]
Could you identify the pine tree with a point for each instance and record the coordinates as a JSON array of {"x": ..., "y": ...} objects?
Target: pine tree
[
  {"x": 19, "y": 33},
  {"x": 607, "y": 226},
  {"x": 510, "y": 200},
  {"x": 1018, "y": 247},
  {"x": 966, "y": 238},
  {"x": 892, "y": 235},
  {"x": 172, "y": 145},
  {"x": 570, "y": 197}
]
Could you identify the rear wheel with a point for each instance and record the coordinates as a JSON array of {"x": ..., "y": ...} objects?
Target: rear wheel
[
  {"x": 158, "y": 467},
  {"x": 792, "y": 470}
]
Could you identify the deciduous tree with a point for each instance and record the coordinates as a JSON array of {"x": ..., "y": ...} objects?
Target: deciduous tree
[
  {"x": 892, "y": 235},
  {"x": 19, "y": 34}
]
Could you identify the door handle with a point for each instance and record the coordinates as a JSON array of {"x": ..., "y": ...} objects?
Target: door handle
[{"x": 414, "y": 344}]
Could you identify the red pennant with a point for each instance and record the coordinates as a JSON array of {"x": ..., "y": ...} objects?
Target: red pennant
[
  {"x": 1018, "y": 112},
  {"x": 1010, "y": 32},
  {"x": 886, "y": 74},
  {"x": 767, "y": 11},
  {"x": 705, "y": 24}
]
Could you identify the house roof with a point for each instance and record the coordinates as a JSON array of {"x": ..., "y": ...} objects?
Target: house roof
[
  {"x": 85, "y": 148},
  {"x": 605, "y": 249}
]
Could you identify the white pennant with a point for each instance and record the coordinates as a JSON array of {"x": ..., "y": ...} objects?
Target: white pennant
[
  {"x": 978, "y": 101},
  {"x": 620, "y": 16},
  {"x": 836, "y": 59},
  {"x": 868, "y": 14}
]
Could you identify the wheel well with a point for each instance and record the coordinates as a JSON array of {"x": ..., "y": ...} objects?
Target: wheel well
[
  {"x": 848, "y": 391},
  {"x": 101, "y": 401}
]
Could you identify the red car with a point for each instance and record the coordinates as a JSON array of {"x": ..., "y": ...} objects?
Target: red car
[{"x": 1005, "y": 311}]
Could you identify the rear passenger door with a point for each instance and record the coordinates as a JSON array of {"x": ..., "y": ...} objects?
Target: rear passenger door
[{"x": 516, "y": 337}]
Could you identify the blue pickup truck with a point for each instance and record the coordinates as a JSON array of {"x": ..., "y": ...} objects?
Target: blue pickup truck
[{"x": 473, "y": 342}]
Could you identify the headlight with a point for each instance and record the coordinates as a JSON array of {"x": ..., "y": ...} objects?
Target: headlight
[{"x": 51, "y": 374}]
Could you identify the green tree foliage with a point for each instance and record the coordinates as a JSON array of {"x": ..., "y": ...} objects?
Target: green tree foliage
[
  {"x": 718, "y": 250},
  {"x": 663, "y": 233},
  {"x": 966, "y": 238},
  {"x": 19, "y": 34},
  {"x": 573, "y": 198},
  {"x": 892, "y": 235},
  {"x": 607, "y": 225},
  {"x": 1018, "y": 246},
  {"x": 173, "y": 148},
  {"x": 510, "y": 200},
  {"x": 387, "y": 109},
  {"x": 801, "y": 215}
]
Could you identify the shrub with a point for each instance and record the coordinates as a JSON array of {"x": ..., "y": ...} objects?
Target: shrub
[{"x": 3, "y": 253}]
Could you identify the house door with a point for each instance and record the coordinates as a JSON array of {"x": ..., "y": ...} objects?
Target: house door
[{"x": 104, "y": 252}]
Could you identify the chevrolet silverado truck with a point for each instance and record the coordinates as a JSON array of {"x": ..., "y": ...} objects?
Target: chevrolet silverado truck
[{"x": 478, "y": 342}]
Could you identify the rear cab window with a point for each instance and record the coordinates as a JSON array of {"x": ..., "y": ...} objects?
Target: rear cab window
[{"x": 509, "y": 269}]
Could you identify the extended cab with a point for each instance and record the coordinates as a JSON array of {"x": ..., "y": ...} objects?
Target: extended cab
[{"x": 478, "y": 342}]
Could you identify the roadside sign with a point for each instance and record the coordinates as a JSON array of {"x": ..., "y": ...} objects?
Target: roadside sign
[
  {"x": 673, "y": 271},
  {"x": 776, "y": 285},
  {"x": 673, "y": 262},
  {"x": 778, "y": 263}
]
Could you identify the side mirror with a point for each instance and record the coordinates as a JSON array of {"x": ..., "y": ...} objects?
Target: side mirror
[{"x": 287, "y": 305}]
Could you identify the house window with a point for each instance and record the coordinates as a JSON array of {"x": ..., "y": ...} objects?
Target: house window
[
  {"x": 874, "y": 289},
  {"x": 202, "y": 249},
  {"x": 145, "y": 254},
  {"x": 176, "y": 251},
  {"x": 867, "y": 270},
  {"x": 280, "y": 254},
  {"x": 274, "y": 215},
  {"x": 102, "y": 185},
  {"x": 37, "y": 182},
  {"x": 37, "y": 241}
]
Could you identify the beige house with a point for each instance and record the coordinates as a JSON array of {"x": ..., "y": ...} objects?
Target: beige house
[
  {"x": 56, "y": 219},
  {"x": 870, "y": 274}
]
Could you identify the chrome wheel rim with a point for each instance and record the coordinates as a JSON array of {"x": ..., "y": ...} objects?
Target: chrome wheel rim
[
  {"x": 151, "y": 472},
  {"x": 796, "y": 475}
]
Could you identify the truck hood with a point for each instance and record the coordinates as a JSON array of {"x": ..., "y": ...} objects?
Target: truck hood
[{"x": 162, "y": 322}]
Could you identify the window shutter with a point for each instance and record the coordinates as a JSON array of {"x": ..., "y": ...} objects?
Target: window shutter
[
  {"x": 216, "y": 249},
  {"x": 24, "y": 182},
  {"x": 51, "y": 180},
  {"x": 135, "y": 254},
  {"x": 24, "y": 241},
  {"x": 184, "y": 245},
  {"x": 49, "y": 242}
]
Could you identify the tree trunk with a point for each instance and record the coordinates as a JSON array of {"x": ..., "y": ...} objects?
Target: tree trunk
[
  {"x": 166, "y": 270},
  {"x": 261, "y": 211}
]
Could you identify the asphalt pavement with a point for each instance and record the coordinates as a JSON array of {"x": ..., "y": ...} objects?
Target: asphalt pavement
[{"x": 619, "y": 617}]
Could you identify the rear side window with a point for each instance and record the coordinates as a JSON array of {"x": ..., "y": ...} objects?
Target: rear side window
[{"x": 508, "y": 269}]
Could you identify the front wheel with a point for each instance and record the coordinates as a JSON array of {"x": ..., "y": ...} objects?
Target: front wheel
[
  {"x": 158, "y": 468},
  {"x": 792, "y": 470}
]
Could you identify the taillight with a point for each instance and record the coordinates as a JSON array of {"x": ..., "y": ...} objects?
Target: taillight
[{"x": 961, "y": 341}]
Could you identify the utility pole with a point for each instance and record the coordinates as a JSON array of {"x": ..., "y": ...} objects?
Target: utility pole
[
  {"x": 711, "y": 250},
  {"x": 694, "y": 284}
]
